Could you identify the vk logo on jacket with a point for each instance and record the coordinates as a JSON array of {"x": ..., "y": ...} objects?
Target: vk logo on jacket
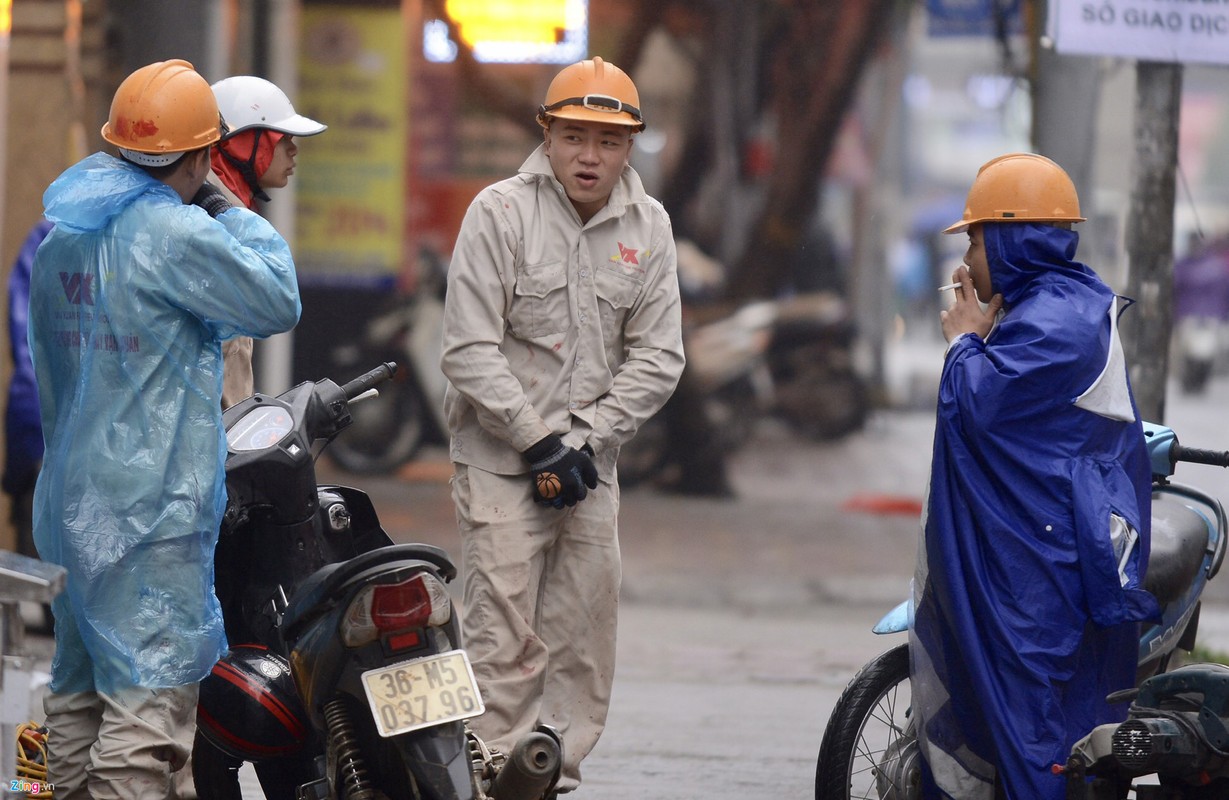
[{"x": 78, "y": 287}]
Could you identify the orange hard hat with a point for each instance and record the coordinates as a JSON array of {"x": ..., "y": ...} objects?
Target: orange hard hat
[
  {"x": 1019, "y": 187},
  {"x": 593, "y": 90},
  {"x": 160, "y": 111}
]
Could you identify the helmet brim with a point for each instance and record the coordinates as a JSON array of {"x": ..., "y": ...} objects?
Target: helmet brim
[
  {"x": 963, "y": 225},
  {"x": 298, "y": 125},
  {"x": 582, "y": 114}
]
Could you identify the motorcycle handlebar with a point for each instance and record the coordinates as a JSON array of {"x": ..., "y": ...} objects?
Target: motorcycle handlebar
[
  {"x": 370, "y": 379},
  {"x": 1193, "y": 455}
]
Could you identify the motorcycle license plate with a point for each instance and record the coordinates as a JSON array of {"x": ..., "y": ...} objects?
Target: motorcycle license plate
[{"x": 421, "y": 693}]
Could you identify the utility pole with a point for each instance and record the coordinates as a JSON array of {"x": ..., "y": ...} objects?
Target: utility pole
[{"x": 1150, "y": 234}]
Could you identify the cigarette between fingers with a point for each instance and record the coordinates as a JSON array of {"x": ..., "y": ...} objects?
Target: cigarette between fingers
[{"x": 947, "y": 286}]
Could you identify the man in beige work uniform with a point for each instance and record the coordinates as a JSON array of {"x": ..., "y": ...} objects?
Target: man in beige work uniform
[{"x": 562, "y": 335}]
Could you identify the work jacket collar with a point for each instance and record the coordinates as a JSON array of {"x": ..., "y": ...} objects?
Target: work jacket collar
[{"x": 628, "y": 190}]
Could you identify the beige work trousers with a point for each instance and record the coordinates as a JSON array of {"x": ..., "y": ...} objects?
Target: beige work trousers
[
  {"x": 540, "y": 609},
  {"x": 131, "y": 745},
  {"x": 237, "y": 380}
]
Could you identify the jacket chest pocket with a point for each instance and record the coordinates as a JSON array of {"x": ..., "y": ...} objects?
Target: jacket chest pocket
[
  {"x": 616, "y": 295},
  {"x": 540, "y": 301}
]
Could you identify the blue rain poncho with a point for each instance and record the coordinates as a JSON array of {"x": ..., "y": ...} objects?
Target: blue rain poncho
[
  {"x": 1036, "y": 531},
  {"x": 131, "y": 296}
]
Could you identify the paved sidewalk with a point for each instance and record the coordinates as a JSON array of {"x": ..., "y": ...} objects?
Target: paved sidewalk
[{"x": 819, "y": 541}]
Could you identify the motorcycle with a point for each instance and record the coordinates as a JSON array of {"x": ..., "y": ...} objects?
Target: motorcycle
[
  {"x": 728, "y": 357},
  {"x": 869, "y": 748},
  {"x": 1176, "y": 729},
  {"x": 816, "y": 386},
  {"x": 346, "y": 676},
  {"x": 790, "y": 358},
  {"x": 389, "y": 430},
  {"x": 1197, "y": 341}
]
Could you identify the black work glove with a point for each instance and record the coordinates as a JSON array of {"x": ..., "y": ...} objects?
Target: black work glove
[
  {"x": 210, "y": 198},
  {"x": 560, "y": 474}
]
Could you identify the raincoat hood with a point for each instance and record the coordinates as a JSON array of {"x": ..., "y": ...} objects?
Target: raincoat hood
[
  {"x": 89, "y": 194},
  {"x": 1024, "y": 256}
]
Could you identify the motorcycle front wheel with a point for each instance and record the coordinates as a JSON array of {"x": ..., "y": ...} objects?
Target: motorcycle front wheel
[{"x": 869, "y": 749}]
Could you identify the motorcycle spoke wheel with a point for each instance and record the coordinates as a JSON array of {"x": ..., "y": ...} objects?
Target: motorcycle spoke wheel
[{"x": 869, "y": 749}]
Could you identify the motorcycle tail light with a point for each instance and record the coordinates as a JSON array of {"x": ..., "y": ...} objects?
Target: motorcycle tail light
[{"x": 387, "y": 608}]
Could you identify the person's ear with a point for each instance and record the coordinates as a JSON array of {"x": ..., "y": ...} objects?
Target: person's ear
[{"x": 198, "y": 163}]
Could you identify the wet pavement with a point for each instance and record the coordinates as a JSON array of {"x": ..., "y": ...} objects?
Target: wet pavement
[{"x": 744, "y": 618}]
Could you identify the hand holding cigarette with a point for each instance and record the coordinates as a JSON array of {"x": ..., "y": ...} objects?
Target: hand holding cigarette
[{"x": 966, "y": 314}]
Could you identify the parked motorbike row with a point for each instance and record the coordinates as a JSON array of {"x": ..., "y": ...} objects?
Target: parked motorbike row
[
  {"x": 389, "y": 430},
  {"x": 347, "y": 677},
  {"x": 1177, "y": 730},
  {"x": 791, "y": 359}
]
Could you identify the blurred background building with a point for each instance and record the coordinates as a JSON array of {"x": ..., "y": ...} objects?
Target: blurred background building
[{"x": 800, "y": 145}]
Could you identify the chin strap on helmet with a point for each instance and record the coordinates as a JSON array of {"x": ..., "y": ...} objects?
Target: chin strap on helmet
[{"x": 247, "y": 169}]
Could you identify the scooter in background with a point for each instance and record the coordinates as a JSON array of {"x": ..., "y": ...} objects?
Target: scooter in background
[
  {"x": 1197, "y": 344},
  {"x": 728, "y": 359},
  {"x": 1201, "y": 313},
  {"x": 389, "y": 430},
  {"x": 791, "y": 359},
  {"x": 817, "y": 388}
]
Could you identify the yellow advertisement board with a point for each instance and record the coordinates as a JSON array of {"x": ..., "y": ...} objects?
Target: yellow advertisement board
[{"x": 353, "y": 76}]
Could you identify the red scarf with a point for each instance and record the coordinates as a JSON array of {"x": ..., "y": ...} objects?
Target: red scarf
[{"x": 239, "y": 147}]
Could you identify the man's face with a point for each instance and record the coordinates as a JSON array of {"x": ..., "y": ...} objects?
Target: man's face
[
  {"x": 587, "y": 158},
  {"x": 979, "y": 266}
]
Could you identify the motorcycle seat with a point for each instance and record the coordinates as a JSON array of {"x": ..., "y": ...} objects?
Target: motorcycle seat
[
  {"x": 315, "y": 593},
  {"x": 1179, "y": 542}
]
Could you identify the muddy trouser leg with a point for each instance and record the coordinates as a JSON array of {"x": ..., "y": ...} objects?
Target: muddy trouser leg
[
  {"x": 73, "y": 717},
  {"x": 541, "y": 600},
  {"x": 127, "y": 745},
  {"x": 145, "y": 737},
  {"x": 73, "y": 721},
  {"x": 504, "y": 538},
  {"x": 578, "y": 619}
]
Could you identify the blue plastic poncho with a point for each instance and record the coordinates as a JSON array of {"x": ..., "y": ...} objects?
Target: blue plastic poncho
[
  {"x": 1036, "y": 532},
  {"x": 131, "y": 296}
]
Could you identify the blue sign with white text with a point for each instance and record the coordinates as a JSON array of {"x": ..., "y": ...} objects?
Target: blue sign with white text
[{"x": 973, "y": 17}]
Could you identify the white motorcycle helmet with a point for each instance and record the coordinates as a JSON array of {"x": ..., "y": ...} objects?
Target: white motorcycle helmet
[{"x": 246, "y": 101}]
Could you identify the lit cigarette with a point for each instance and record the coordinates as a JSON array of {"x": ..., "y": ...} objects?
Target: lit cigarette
[{"x": 947, "y": 286}]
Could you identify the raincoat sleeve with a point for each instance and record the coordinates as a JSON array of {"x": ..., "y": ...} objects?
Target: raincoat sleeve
[{"x": 237, "y": 277}]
